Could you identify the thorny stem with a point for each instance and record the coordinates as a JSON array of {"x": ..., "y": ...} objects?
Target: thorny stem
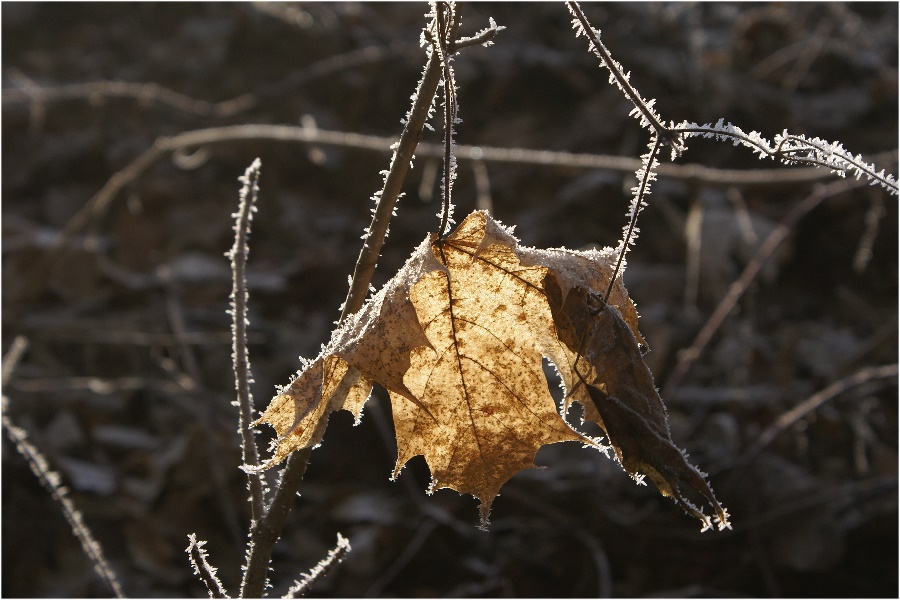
[
  {"x": 790, "y": 146},
  {"x": 335, "y": 556},
  {"x": 205, "y": 571}
]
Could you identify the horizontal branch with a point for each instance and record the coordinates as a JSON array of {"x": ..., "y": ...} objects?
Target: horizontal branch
[{"x": 97, "y": 206}]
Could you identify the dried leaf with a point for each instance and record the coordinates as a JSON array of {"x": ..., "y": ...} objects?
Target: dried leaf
[
  {"x": 623, "y": 400},
  {"x": 457, "y": 338}
]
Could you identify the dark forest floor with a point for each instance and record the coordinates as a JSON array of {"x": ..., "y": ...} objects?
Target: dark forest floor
[{"x": 127, "y": 383}]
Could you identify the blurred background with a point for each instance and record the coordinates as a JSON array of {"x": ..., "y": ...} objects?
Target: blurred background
[{"x": 127, "y": 385}]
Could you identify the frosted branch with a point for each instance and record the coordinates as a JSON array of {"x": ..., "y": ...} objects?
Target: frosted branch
[
  {"x": 51, "y": 480},
  {"x": 198, "y": 555},
  {"x": 240, "y": 358},
  {"x": 794, "y": 149},
  {"x": 318, "y": 572}
]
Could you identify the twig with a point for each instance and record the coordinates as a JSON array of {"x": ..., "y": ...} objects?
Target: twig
[
  {"x": 11, "y": 360},
  {"x": 786, "y": 420},
  {"x": 51, "y": 480},
  {"x": 240, "y": 359},
  {"x": 796, "y": 150},
  {"x": 38, "y": 97},
  {"x": 99, "y": 204},
  {"x": 334, "y": 557},
  {"x": 645, "y": 175},
  {"x": 198, "y": 555},
  {"x": 644, "y": 108},
  {"x": 387, "y": 198},
  {"x": 687, "y": 357},
  {"x": 266, "y": 531},
  {"x": 443, "y": 31}
]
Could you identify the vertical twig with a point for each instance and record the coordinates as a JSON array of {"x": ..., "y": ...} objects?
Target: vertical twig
[
  {"x": 268, "y": 529},
  {"x": 241, "y": 361},
  {"x": 442, "y": 45},
  {"x": 646, "y": 174}
]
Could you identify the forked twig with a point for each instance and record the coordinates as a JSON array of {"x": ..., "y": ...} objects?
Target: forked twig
[{"x": 789, "y": 148}]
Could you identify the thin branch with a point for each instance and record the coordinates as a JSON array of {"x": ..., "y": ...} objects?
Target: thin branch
[
  {"x": 484, "y": 37},
  {"x": 644, "y": 108},
  {"x": 240, "y": 358},
  {"x": 645, "y": 175},
  {"x": 786, "y": 420},
  {"x": 796, "y": 150},
  {"x": 687, "y": 357},
  {"x": 387, "y": 198},
  {"x": 321, "y": 570},
  {"x": 147, "y": 93},
  {"x": 99, "y": 204},
  {"x": 51, "y": 480},
  {"x": 198, "y": 555},
  {"x": 11, "y": 360},
  {"x": 443, "y": 31}
]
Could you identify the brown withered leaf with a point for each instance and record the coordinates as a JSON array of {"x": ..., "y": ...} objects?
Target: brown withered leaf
[
  {"x": 622, "y": 397},
  {"x": 457, "y": 338}
]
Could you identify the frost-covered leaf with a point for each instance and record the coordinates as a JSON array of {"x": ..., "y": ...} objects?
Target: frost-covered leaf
[{"x": 457, "y": 337}]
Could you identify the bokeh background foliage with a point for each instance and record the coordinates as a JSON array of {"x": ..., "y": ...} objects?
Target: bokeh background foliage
[{"x": 127, "y": 385}]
